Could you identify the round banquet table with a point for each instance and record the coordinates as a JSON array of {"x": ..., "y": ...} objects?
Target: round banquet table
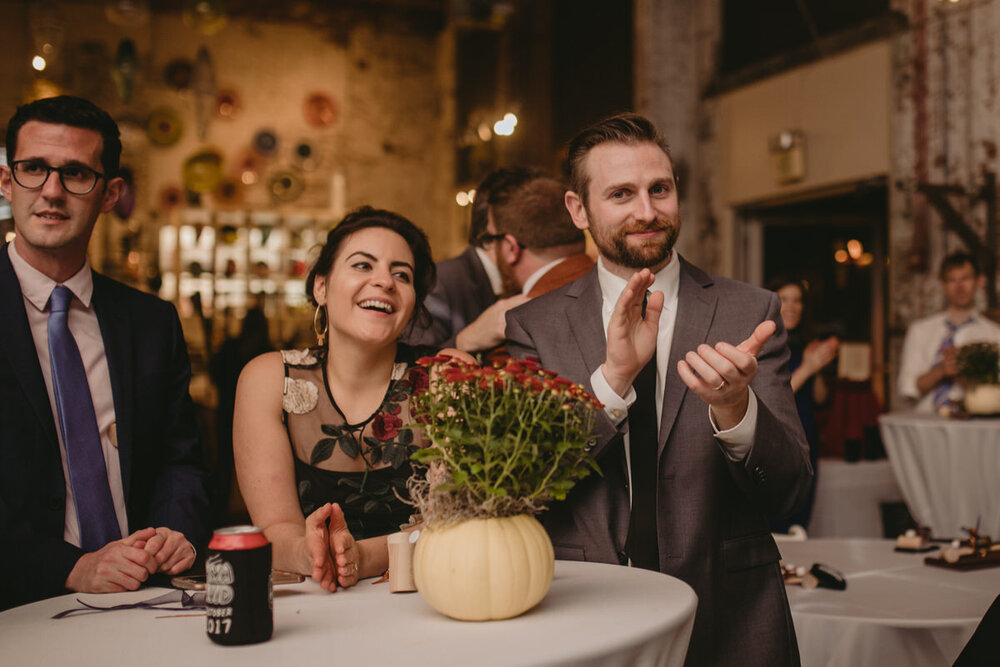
[
  {"x": 948, "y": 470},
  {"x": 594, "y": 614},
  {"x": 896, "y": 610}
]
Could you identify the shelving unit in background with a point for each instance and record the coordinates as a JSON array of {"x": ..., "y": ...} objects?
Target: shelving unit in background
[{"x": 216, "y": 264}]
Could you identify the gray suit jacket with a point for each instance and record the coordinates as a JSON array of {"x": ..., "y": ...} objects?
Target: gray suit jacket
[
  {"x": 709, "y": 510},
  {"x": 463, "y": 291}
]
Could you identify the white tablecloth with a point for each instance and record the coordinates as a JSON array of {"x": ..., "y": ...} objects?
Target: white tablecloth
[
  {"x": 948, "y": 470},
  {"x": 849, "y": 498},
  {"x": 896, "y": 610},
  {"x": 594, "y": 614}
]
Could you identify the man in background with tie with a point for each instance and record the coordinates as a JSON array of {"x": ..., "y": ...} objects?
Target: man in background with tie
[
  {"x": 929, "y": 363},
  {"x": 700, "y": 437},
  {"x": 100, "y": 478}
]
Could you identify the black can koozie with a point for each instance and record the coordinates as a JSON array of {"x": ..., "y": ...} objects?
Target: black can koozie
[{"x": 238, "y": 597}]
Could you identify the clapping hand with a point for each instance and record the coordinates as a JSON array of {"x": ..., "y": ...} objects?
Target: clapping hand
[
  {"x": 721, "y": 375},
  {"x": 818, "y": 353},
  {"x": 332, "y": 549},
  {"x": 632, "y": 332}
]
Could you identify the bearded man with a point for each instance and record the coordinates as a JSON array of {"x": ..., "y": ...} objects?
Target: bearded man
[{"x": 699, "y": 438}]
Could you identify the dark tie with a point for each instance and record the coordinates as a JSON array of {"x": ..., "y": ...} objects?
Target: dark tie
[
  {"x": 643, "y": 435},
  {"x": 78, "y": 423}
]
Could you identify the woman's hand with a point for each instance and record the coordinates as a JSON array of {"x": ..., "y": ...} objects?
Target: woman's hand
[
  {"x": 819, "y": 353},
  {"x": 344, "y": 549},
  {"x": 332, "y": 549}
]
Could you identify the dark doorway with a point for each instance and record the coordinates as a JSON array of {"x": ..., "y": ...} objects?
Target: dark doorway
[{"x": 835, "y": 244}]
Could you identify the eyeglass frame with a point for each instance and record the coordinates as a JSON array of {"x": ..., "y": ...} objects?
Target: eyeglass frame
[
  {"x": 59, "y": 170},
  {"x": 486, "y": 237}
]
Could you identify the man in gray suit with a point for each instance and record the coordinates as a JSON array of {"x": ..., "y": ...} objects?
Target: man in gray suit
[{"x": 699, "y": 438}]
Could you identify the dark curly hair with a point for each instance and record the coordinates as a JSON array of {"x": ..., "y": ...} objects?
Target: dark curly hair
[{"x": 424, "y": 272}]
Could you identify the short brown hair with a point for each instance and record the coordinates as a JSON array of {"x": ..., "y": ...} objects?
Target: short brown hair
[
  {"x": 535, "y": 214},
  {"x": 623, "y": 128},
  {"x": 959, "y": 259},
  {"x": 494, "y": 187}
]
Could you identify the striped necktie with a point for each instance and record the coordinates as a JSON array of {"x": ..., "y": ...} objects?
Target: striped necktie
[{"x": 942, "y": 395}]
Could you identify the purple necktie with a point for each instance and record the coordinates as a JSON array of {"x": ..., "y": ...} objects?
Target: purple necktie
[
  {"x": 942, "y": 396},
  {"x": 85, "y": 458}
]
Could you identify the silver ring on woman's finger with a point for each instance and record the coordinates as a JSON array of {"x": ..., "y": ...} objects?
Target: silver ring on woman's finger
[
  {"x": 355, "y": 563},
  {"x": 721, "y": 385}
]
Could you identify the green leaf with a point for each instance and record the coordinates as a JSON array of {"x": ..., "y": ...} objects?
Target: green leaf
[
  {"x": 397, "y": 456},
  {"x": 332, "y": 429},
  {"x": 426, "y": 455},
  {"x": 348, "y": 445},
  {"x": 322, "y": 451}
]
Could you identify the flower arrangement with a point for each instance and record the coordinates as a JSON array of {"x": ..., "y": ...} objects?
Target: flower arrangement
[
  {"x": 507, "y": 439},
  {"x": 979, "y": 363}
]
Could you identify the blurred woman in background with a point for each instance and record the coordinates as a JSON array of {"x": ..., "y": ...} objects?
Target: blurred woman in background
[{"x": 808, "y": 358}]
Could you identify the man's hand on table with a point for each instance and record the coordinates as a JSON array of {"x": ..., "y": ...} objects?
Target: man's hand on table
[
  {"x": 172, "y": 551},
  {"x": 123, "y": 565}
]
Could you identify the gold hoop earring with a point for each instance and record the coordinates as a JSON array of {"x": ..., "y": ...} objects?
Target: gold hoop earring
[{"x": 320, "y": 335}]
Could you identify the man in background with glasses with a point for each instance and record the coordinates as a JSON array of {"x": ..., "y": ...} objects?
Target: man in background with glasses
[
  {"x": 100, "y": 479},
  {"x": 466, "y": 312}
]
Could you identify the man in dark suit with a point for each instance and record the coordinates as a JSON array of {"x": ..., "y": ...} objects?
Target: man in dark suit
[
  {"x": 699, "y": 438},
  {"x": 538, "y": 248},
  {"x": 100, "y": 479},
  {"x": 464, "y": 308}
]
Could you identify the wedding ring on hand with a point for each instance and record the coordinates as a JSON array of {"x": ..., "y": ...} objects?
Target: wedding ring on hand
[
  {"x": 355, "y": 564},
  {"x": 720, "y": 386}
]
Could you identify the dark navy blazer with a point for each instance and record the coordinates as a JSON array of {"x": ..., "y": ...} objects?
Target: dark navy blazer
[{"x": 158, "y": 442}]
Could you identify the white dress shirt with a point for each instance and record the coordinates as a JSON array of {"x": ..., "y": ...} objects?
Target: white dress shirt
[
  {"x": 537, "y": 275},
  {"x": 492, "y": 272},
  {"x": 36, "y": 288},
  {"x": 738, "y": 439},
  {"x": 920, "y": 347}
]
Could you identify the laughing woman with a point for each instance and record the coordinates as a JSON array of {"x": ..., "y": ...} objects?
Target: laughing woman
[{"x": 317, "y": 432}]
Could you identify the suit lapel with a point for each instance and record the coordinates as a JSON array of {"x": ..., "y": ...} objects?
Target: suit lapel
[
  {"x": 18, "y": 345},
  {"x": 116, "y": 331},
  {"x": 584, "y": 320},
  {"x": 695, "y": 312}
]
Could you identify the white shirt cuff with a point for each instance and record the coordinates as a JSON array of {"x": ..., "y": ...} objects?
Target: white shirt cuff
[
  {"x": 615, "y": 407},
  {"x": 739, "y": 439}
]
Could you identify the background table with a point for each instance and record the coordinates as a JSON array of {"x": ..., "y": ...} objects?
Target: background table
[
  {"x": 948, "y": 470},
  {"x": 895, "y": 611},
  {"x": 594, "y": 614},
  {"x": 849, "y": 497}
]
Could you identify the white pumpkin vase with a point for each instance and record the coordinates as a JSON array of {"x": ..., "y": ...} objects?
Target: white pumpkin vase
[
  {"x": 982, "y": 399},
  {"x": 484, "y": 569}
]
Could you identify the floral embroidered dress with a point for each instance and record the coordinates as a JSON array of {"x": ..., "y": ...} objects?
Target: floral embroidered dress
[{"x": 317, "y": 427}]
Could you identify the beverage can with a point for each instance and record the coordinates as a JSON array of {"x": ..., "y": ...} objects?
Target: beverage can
[{"x": 238, "y": 591}]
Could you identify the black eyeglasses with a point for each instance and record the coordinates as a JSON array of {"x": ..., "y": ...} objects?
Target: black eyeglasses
[
  {"x": 486, "y": 237},
  {"x": 75, "y": 178}
]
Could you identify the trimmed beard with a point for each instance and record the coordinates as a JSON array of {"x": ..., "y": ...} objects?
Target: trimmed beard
[
  {"x": 653, "y": 252},
  {"x": 508, "y": 284}
]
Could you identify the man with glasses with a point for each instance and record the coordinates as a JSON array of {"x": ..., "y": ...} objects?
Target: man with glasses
[
  {"x": 464, "y": 306},
  {"x": 100, "y": 479}
]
